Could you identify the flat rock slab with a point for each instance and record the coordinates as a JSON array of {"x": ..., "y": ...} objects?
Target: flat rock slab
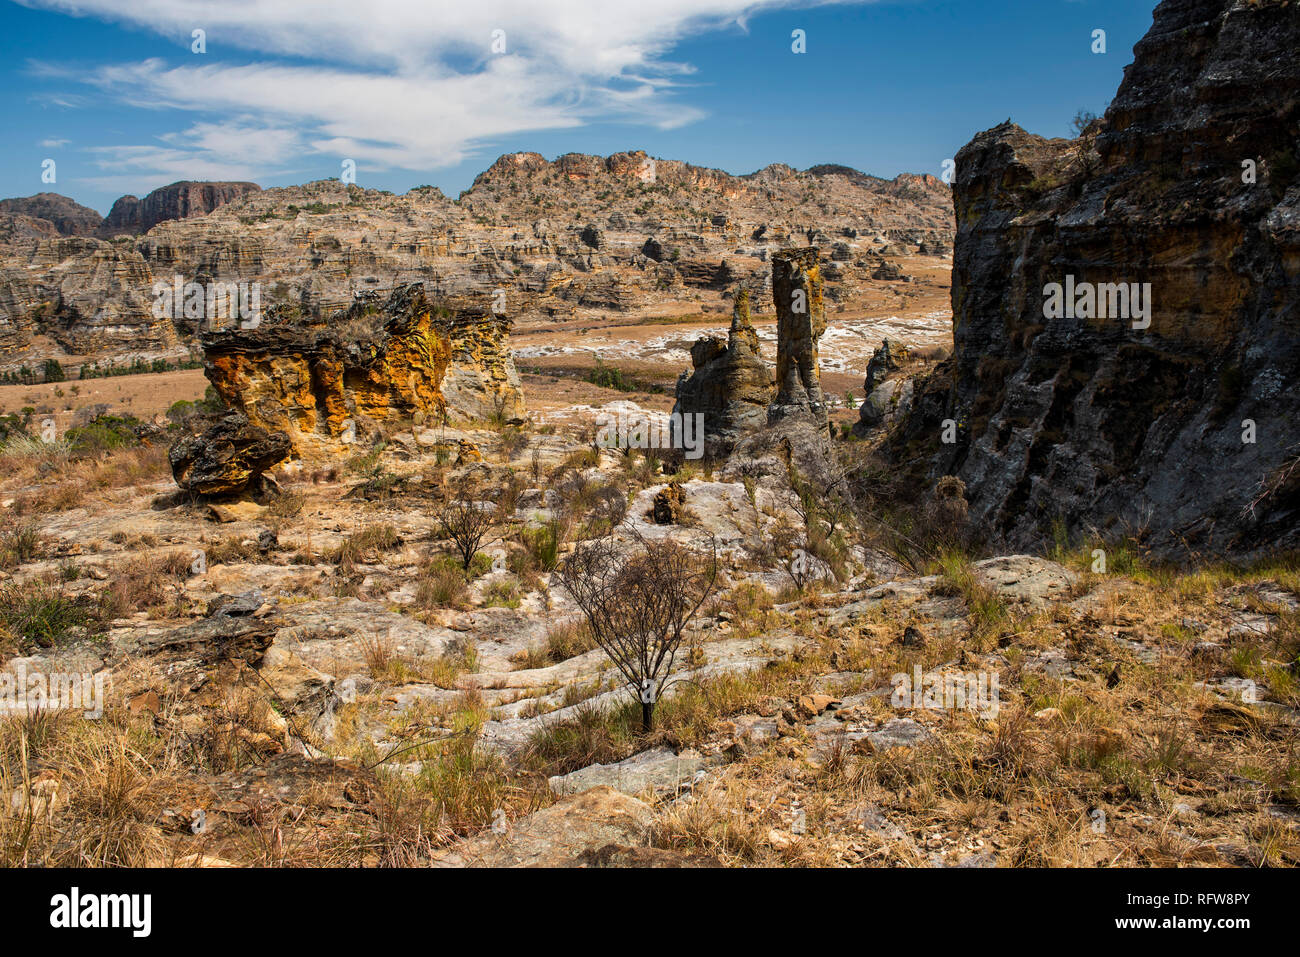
[
  {"x": 1025, "y": 579},
  {"x": 563, "y": 835},
  {"x": 330, "y": 635},
  {"x": 894, "y": 733},
  {"x": 658, "y": 770}
]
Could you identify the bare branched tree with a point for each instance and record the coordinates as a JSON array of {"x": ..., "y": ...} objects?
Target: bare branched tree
[
  {"x": 465, "y": 521},
  {"x": 638, "y": 602}
]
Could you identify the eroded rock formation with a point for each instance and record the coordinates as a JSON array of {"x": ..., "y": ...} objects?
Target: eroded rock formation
[
  {"x": 731, "y": 385},
  {"x": 227, "y": 459},
  {"x": 1184, "y": 429},
  {"x": 885, "y": 396},
  {"x": 372, "y": 365},
  {"x": 800, "y": 322}
]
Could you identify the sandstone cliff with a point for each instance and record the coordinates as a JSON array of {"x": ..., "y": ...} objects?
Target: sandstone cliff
[
  {"x": 134, "y": 216},
  {"x": 375, "y": 364},
  {"x": 1185, "y": 428}
]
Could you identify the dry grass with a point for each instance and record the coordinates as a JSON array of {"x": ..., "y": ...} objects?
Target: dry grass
[{"x": 68, "y": 483}]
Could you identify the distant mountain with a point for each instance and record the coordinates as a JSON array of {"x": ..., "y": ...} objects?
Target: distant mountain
[
  {"x": 177, "y": 201},
  {"x": 67, "y": 216},
  {"x": 129, "y": 215}
]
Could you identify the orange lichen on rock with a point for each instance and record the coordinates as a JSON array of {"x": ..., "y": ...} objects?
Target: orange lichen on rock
[{"x": 370, "y": 365}]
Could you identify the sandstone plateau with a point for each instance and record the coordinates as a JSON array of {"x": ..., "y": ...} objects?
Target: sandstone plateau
[{"x": 581, "y": 235}]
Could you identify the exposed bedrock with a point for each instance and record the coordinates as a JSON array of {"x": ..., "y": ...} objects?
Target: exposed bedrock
[
  {"x": 372, "y": 366},
  {"x": 1126, "y": 303}
]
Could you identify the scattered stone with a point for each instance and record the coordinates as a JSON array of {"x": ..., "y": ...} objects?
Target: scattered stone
[{"x": 811, "y": 705}]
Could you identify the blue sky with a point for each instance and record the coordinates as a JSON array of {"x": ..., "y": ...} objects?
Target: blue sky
[{"x": 414, "y": 93}]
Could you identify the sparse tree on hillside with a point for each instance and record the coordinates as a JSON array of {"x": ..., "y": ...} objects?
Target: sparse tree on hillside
[
  {"x": 465, "y": 521},
  {"x": 637, "y": 603}
]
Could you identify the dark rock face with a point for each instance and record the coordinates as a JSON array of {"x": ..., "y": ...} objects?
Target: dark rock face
[
  {"x": 227, "y": 459},
  {"x": 800, "y": 322},
  {"x": 1185, "y": 428},
  {"x": 67, "y": 216},
  {"x": 177, "y": 201},
  {"x": 731, "y": 385}
]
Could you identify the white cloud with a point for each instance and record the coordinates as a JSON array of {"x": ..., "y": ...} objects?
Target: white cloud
[{"x": 408, "y": 84}]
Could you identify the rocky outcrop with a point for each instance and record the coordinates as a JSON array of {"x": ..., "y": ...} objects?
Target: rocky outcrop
[
  {"x": 731, "y": 386},
  {"x": 178, "y": 201},
  {"x": 376, "y": 364},
  {"x": 800, "y": 322},
  {"x": 227, "y": 459},
  {"x": 1162, "y": 404},
  {"x": 884, "y": 396},
  {"x": 67, "y": 216}
]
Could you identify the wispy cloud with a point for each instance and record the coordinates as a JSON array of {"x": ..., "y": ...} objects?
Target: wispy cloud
[{"x": 405, "y": 84}]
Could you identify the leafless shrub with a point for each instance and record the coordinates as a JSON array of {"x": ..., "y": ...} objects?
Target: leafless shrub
[
  {"x": 637, "y": 603},
  {"x": 465, "y": 521}
]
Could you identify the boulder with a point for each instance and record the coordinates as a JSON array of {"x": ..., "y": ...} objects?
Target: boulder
[{"x": 228, "y": 459}]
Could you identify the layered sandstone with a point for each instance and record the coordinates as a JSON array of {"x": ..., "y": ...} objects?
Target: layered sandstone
[
  {"x": 376, "y": 365},
  {"x": 1180, "y": 426},
  {"x": 730, "y": 384},
  {"x": 800, "y": 322}
]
